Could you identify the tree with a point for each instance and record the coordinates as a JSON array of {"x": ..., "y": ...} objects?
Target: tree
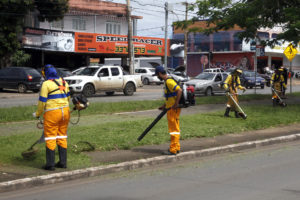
[
  {"x": 12, "y": 17},
  {"x": 250, "y": 15}
]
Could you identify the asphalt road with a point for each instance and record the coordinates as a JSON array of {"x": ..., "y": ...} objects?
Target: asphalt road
[
  {"x": 268, "y": 173},
  {"x": 10, "y": 98}
]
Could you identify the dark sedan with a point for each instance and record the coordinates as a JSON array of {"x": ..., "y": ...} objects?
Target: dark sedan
[
  {"x": 20, "y": 78},
  {"x": 249, "y": 81}
]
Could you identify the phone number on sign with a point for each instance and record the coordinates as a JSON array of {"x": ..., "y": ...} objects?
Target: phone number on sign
[{"x": 125, "y": 50}]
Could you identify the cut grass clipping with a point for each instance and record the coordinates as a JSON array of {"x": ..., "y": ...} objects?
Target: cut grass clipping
[{"x": 123, "y": 134}]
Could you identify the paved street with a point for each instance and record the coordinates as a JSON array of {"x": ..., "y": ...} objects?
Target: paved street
[
  {"x": 9, "y": 98},
  {"x": 268, "y": 173}
]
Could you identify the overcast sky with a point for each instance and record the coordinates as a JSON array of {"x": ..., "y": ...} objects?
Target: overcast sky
[{"x": 153, "y": 14}]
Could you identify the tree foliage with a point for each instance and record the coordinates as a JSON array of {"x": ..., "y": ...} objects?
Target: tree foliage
[
  {"x": 250, "y": 15},
  {"x": 12, "y": 17}
]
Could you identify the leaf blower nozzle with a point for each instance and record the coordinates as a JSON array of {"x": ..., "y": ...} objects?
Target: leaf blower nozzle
[{"x": 80, "y": 102}]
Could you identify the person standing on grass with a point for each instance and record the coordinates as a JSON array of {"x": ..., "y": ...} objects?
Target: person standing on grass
[
  {"x": 231, "y": 84},
  {"x": 173, "y": 94},
  {"x": 54, "y": 103},
  {"x": 278, "y": 84}
]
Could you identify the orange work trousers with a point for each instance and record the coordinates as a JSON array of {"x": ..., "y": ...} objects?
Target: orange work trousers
[
  {"x": 55, "y": 127},
  {"x": 174, "y": 129}
]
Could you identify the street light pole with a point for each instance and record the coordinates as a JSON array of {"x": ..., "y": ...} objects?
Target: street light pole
[
  {"x": 129, "y": 38},
  {"x": 166, "y": 36},
  {"x": 185, "y": 37}
]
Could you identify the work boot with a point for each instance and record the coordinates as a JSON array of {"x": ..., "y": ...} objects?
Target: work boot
[
  {"x": 274, "y": 102},
  {"x": 168, "y": 153},
  {"x": 50, "y": 159},
  {"x": 236, "y": 114},
  {"x": 227, "y": 112},
  {"x": 62, "y": 152}
]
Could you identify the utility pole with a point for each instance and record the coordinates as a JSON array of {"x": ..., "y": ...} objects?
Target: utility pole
[
  {"x": 185, "y": 37},
  {"x": 129, "y": 39},
  {"x": 166, "y": 35}
]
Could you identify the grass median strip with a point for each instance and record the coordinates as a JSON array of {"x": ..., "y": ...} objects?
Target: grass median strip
[
  {"x": 25, "y": 113},
  {"x": 117, "y": 135}
]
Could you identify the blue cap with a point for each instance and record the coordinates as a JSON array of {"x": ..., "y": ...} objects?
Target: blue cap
[
  {"x": 159, "y": 69},
  {"x": 50, "y": 72}
]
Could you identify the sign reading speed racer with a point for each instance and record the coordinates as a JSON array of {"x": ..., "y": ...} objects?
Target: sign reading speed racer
[{"x": 117, "y": 44}]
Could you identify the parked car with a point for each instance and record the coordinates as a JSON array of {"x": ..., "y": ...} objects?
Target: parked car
[
  {"x": 78, "y": 70},
  {"x": 297, "y": 74},
  {"x": 267, "y": 78},
  {"x": 214, "y": 70},
  {"x": 147, "y": 75},
  {"x": 230, "y": 70},
  {"x": 104, "y": 78},
  {"x": 178, "y": 74},
  {"x": 63, "y": 72},
  {"x": 208, "y": 83},
  {"x": 20, "y": 78},
  {"x": 248, "y": 80}
]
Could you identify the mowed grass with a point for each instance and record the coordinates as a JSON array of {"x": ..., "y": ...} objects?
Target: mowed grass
[
  {"x": 25, "y": 113},
  {"x": 124, "y": 134}
]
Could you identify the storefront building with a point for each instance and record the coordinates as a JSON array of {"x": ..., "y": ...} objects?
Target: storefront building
[
  {"x": 91, "y": 30},
  {"x": 224, "y": 49}
]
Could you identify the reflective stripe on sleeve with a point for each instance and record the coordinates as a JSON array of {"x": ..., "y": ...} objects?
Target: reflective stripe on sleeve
[
  {"x": 43, "y": 99},
  {"x": 175, "y": 87}
]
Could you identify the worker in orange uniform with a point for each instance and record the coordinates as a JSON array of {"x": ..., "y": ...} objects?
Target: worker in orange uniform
[
  {"x": 231, "y": 84},
  {"x": 173, "y": 94},
  {"x": 54, "y": 105},
  {"x": 278, "y": 84}
]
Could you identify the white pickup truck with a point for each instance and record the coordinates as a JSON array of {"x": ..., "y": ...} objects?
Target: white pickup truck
[{"x": 103, "y": 78}]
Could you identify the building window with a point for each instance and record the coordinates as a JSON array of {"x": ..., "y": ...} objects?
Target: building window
[
  {"x": 57, "y": 24},
  {"x": 221, "y": 41},
  {"x": 263, "y": 35},
  {"x": 79, "y": 23},
  {"x": 113, "y": 28}
]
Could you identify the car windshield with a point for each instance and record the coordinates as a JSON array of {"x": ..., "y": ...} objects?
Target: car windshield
[
  {"x": 89, "y": 71},
  {"x": 205, "y": 76},
  {"x": 152, "y": 70}
]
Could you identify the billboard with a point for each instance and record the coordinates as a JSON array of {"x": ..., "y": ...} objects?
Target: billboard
[
  {"x": 50, "y": 40},
  {"x": 117, "y": 44}
]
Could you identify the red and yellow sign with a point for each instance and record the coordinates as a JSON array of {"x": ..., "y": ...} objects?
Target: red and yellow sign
[{"x": 117, "y": 44}]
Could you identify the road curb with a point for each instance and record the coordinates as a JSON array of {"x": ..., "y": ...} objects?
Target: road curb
[{"x": 130, "y": 165}]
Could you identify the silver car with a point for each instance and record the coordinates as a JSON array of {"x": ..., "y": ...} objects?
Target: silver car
[{"x": 208, "y": 83}]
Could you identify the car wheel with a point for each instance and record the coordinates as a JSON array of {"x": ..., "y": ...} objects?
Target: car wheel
[
  {"x": 110, "y": 93},
  {"x": 36, "y": 90},
  {"x": 208, "y": 91},
  {"x": 262, "y": 86},
  {"x": 22, "y": 88},
  {"x": 88, "y": 90},
  {"x": 1, "y": 89},
  {"x": 146, "y": 81},
  {"x": 251, "y": 87},
  {"x": 296, "y": 76},
  {"x": 129, "y": 89}
]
